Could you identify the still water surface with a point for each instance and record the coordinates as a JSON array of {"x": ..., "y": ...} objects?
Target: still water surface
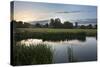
[{"x": 80, "y": 50}]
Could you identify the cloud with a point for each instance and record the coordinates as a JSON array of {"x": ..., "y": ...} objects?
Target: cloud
[
  {"x": 69, "y": 12},
  {"x": 87, "y": 21},
  {"x": 40, "y": 21}
]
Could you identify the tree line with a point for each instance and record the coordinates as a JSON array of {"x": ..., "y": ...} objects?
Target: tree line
[{"x": 54, "y": 23}]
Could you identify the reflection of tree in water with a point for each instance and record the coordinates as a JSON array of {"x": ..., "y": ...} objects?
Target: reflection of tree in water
[
  {"x": 71, "y": 56},
  {"x": 80, "y": 38}
]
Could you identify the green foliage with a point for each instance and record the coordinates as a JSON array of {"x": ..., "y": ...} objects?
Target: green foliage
[
  {"x": 83, "y": 27},
  {"x": 68, "y": 25},
  {"x": 53, "y": 34},
  {"x": 34, "y": 54},
  {"x": 56, "y": 23},
  {"x": 52, "y": 23},
  {"x": 38, "y": 25},
  {"x": 20, "y": 24}
]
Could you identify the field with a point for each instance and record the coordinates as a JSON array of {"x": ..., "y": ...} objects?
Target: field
[
  {"x": 53, "y": 34},
  {"x": 89, "y": 32}
]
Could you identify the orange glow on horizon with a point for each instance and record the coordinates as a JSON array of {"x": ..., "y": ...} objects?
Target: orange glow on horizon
[{"x": 24, "y": 16}]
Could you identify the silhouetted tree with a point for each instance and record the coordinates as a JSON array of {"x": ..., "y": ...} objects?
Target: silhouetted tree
[
  {"x": 37, "y": 25},
  {"x": 67, "y": 24},
  {"x": 46, "y": 25},
  {"x": 90, "y": 26},
  {"x": 83, "y": 27},
  {"x": 20, "y": 24},
  {"x": 52, "y": 23},
  {"x": 57, "y": 23}
]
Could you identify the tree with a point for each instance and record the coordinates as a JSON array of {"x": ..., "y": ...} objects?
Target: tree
[
  {"x": 20, "y": 24},
  {"x": 51, "y": 24},
  {"x": 57, "y": 23},
  {"x": 90, "y": 26},
  {"x": 67, "y": 24},
  {"x": 82, "y": 27},
  {"x": 37, "y": 25},
  {"x": 46, "y": 25}
]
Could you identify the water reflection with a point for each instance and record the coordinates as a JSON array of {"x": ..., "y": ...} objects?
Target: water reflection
[
  {"x": 31, "y": 42},
  {"x": 69, "y": 50},
  {"x": 40, "y": 41},
  {"x": 71, "y": 56}
]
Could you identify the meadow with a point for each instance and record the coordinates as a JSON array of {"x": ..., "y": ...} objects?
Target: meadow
[
  {"x": 53, "y": 34},
  {"x": 89, "y": 32}
]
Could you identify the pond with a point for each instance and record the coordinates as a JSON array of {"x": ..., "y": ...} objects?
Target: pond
[{"x": 69, "y": 50}]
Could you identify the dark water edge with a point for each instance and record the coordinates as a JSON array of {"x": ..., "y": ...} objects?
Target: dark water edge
[{"x": 51, "y": 36}]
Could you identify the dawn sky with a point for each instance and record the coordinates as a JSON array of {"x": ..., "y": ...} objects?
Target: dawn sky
[{"x": 33, "y": 11}]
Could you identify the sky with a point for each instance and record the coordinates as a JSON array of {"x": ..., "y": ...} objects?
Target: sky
[{"x": 36, "y": 11}]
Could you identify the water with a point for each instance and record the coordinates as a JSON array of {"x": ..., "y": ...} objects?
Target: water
[{"x": 68, "y": 51}]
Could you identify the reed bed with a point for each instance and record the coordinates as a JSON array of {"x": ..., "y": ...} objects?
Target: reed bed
[
  {"x": 54, "y": 34},
  {"x": 34, "y": 54},
  {"x": 89, "y": 32}
]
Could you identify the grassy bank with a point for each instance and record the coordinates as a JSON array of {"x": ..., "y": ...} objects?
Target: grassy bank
[
  {"x": 89, "y": 32},
  {"x": 53, "y": 34},
  {"x": 35, "y": 54}
]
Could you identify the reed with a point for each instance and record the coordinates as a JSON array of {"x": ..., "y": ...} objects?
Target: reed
[
  {"x": 51, "y": 34},
  {"x": 34, "y": 54}
]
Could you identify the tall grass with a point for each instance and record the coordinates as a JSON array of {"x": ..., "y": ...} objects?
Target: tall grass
[
  {"x": 55, "y": 36},
  {"x": 34, "y": 54},
  {"x": 89, "y": 32}
]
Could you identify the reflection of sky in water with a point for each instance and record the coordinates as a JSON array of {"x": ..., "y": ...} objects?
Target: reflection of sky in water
[
  {"x": 83, "y": 51},
  {"x": 88, "y": 51},
  {"x": 40, "y": 41}
]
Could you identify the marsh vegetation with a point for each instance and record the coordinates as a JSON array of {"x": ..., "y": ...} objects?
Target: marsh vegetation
[
  {"x": 54, "y": 34},
  {"x": 33, "y": 54}
]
